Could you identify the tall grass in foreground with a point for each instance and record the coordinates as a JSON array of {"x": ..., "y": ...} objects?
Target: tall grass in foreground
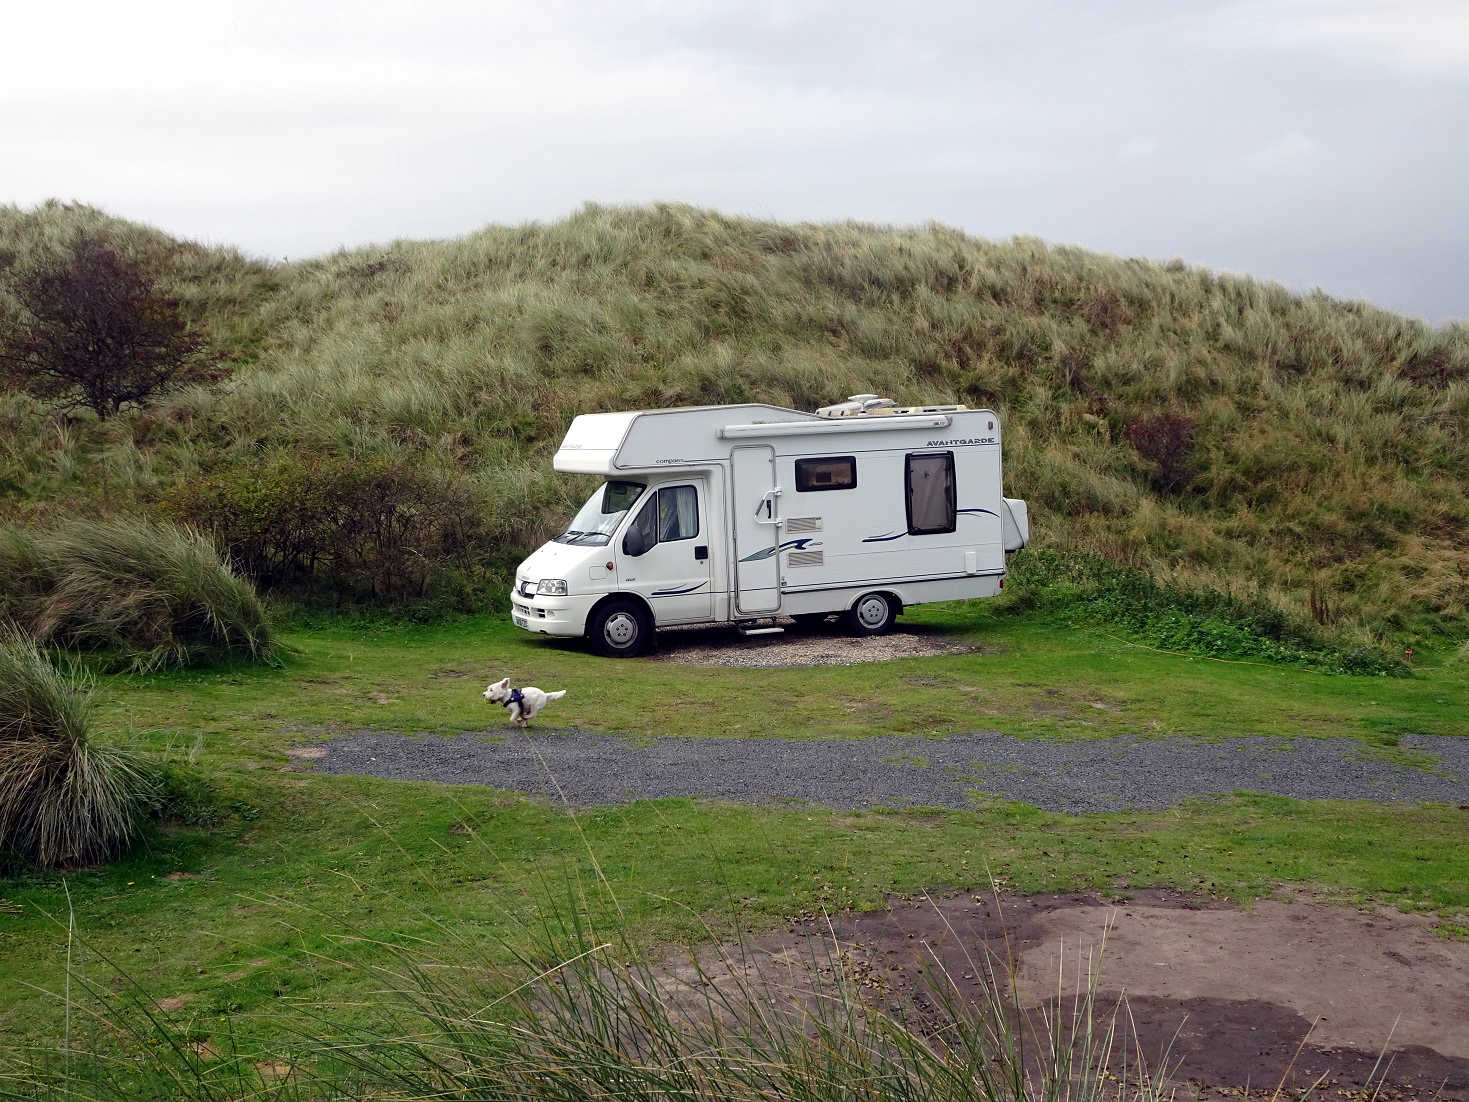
[
  {"x": 64, "y": 800},
  {"x": 152, "y": 595},
  {"x": 586, "y": 1017}
]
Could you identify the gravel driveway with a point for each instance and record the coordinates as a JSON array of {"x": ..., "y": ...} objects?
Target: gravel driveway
[{"x": 893, "y": 771}]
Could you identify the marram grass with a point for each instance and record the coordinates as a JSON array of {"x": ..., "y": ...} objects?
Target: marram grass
[
  {"x": 148, "y": 594},
  {"x": 64, "y": 799}
]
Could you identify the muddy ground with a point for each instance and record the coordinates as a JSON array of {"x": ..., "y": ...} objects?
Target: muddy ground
[{"x": 1235, "y": 991}]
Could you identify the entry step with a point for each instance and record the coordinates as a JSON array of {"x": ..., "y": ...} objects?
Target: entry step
[{"x": 767, "y": 630}]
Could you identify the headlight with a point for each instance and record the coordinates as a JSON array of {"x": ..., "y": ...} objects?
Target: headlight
[{"x": 552, "y": 587}]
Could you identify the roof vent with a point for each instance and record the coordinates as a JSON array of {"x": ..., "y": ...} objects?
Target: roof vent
[{"x": 867, "y": 405}]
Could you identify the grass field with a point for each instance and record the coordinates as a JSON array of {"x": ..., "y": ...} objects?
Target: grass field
[{"x": 238, "y": 919}]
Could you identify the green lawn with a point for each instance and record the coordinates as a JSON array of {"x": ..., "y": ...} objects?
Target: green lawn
[
  {"x": 1032, "y": 677},
  {"x": 242, "y": 920}
]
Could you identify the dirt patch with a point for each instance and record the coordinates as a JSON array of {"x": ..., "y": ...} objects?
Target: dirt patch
[
  {"x": 1235, "y": 991},
  {"x": 306, "y": 753},
  {"x": 798, "y": 645},
  {"x": 175, "y": 1002}
]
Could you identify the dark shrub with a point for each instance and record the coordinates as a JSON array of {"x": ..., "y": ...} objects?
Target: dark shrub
[
  {"x": 92, "y": 328},
  {"x": 362, "y": 528},
  {"x": 1166, "y": 443}
]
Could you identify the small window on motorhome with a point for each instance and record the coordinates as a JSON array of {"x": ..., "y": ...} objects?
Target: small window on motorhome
[
  {"x": 678, "y": 513},
  {"x": 931, "y": 497},
  {"x": 837, "y": 472}
]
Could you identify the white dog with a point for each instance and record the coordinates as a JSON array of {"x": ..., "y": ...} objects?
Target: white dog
[{"x": 523, "y": 704}]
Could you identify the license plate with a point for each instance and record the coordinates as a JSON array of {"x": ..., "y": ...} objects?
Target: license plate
[{"x": 521, "y": 622}]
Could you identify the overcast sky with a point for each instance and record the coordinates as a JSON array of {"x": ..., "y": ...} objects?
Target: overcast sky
[{"x": 1315, "y": 142}]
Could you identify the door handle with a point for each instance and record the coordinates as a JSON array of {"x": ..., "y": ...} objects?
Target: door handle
[
  {"x": 767, "y": 505},
  {"x": 701, "y": 553}
]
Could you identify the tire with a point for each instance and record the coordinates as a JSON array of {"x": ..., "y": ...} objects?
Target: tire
[
  {"x": 872, "y": 614},
  {"x": 620, "y": 629}
]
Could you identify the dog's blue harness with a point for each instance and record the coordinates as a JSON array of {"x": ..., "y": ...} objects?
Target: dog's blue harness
[{"x": 516, "y": 697}]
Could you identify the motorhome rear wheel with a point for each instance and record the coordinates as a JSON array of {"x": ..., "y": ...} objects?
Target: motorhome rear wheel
[{"x": 872, "y": 614}]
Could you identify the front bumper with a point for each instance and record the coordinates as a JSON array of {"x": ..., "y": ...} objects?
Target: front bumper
[{"x": 551, "y": 615}]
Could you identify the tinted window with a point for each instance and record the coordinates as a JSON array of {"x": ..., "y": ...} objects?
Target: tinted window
[
  {"x": 931, "y": 497},
  {"x": 838, "y": 472}
]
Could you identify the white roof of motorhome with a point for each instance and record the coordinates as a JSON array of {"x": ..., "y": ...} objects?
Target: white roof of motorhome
[{"x": 639, "y": 440}]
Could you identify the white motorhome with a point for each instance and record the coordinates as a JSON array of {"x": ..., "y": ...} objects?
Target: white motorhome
[{"x": 739, "y": 514}]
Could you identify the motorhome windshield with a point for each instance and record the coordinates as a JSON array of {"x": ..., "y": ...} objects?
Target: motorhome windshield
[{"x": 595, "y": 522}]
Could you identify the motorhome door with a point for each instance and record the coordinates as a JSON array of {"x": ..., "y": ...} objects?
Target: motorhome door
[{"x": 757, "y": 522}]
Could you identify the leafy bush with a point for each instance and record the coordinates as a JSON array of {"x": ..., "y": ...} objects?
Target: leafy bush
[
  {"x": 152, "y": 595},
  {"x": 371, "y": 528},
  {"x": 64, "y": 800},
  {"x": 1088, "y": 588}
]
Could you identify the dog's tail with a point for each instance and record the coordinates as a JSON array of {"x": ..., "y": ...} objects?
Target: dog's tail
[{"x": 556, "y": 695}]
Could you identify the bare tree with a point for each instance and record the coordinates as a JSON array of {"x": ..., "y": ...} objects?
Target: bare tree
[{"x": 90, "y": 327}]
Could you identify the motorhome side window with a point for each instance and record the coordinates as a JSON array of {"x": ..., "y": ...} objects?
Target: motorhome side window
[
  {"x": 932, "y": 500},
  {"x": 678, "y": 513},
  {"x": 671, "y": 514},
  {"x": 837, "y": 472}
]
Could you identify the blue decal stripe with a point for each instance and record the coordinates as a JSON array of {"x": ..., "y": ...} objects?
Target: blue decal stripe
[
  {"x": 789, "y": 545},
  {"x": 679, "y": 592},
  {"x": 899, "y": 535}
]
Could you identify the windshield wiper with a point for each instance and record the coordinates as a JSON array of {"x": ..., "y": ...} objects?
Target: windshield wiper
[{"x": 572, "y": 536}]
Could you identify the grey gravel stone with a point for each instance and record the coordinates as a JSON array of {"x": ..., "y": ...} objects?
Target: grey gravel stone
[{"x": 1074, "y": 778}]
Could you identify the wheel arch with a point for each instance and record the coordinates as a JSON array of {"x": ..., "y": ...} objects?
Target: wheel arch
[
  {"x": 887, "y": 591},
  {"x": 619, "y": 597}
]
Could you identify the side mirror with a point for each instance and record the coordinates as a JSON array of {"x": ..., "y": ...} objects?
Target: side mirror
[{"x": 634, "y": 543}]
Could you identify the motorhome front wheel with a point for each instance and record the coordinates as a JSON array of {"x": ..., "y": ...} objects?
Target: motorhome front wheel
[
  {"x": 620, "y": 629},
  {"x": 873, "y": 614}
]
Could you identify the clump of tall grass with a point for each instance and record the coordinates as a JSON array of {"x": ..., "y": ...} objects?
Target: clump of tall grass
[
  {"x": 64, "y": 799},
  {"x": 147, "y": 594}
]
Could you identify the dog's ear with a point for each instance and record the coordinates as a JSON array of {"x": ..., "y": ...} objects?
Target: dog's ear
[{"x": 505, "y": 682}]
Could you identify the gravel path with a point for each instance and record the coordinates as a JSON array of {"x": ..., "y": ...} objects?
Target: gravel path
[{"x": 892, "y": 771}]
